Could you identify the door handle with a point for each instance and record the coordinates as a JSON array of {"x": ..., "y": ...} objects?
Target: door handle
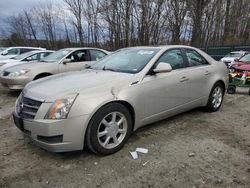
[
  {"x": 207, "y": 73},
  {"x": 184, "y": 79}
]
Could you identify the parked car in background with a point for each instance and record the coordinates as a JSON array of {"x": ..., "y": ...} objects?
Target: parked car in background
[
  {"x": 243, "y": 61},
  {"x": 32, "y": 56},
  {"x": 14, "y": 51},
  {"x": 239, "y": 74},
  {"x": 101, "y": 106},
  {"x": 230, "y": 57},
  {"x": 64, "y": 60}
]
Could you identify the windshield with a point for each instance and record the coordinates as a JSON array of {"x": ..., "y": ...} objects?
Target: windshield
[
  {"x": 126, "y": 60},
  {"x": 23, "y": 56},
  {"x": 234, "y": 54},
  {"x": 56, "y": 56},
  {"x": 245, "y": 58}
]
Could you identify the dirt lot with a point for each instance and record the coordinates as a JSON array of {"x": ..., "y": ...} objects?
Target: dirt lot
[{"x": 194, "y": 149}]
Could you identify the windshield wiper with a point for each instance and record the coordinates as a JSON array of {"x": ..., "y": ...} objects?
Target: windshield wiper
[{"x": 108, "y": 69}]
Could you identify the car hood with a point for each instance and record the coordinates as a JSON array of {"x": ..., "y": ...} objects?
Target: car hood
[
  {"x": 87, "y": 82},
  {"x": 28, "y": 65},
  {"x": 7, "y": 61},
  {"x": 242, "y": 66},
  {"x": 8, "y": 65},
  {"x": 3, "y": 57}
]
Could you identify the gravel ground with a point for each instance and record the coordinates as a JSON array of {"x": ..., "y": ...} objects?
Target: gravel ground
[{"x": 194, "y": 149}]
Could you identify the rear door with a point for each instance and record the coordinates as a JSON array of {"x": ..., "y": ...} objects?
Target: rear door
[{"x": 199, "y": 73}]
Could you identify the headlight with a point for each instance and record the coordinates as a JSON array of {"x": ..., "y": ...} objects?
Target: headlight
[
  {"x": 231, "y": 70},
  {"x": 61, "y": 107},
  {"x": 19, "y": 73}
]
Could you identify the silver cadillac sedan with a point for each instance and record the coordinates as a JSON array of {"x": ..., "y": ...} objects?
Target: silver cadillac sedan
[{"x": 101, "y": 106}]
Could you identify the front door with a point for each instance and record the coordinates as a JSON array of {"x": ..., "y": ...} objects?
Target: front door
[
  {"x": 77, "y": 60},
  {"x": 166, "y": 91}
]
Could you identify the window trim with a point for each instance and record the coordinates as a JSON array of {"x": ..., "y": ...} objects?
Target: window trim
[
  {"x": 87, "y": 55},
  {"x": 188, "y": 65},
  {"x": 96, "y": 50}
]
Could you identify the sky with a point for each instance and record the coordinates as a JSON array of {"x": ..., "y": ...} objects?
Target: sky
[{"x": 13, "y": 7}]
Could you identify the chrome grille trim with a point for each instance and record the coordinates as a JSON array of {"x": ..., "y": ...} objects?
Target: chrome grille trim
[{"x": 28, "y": 107}]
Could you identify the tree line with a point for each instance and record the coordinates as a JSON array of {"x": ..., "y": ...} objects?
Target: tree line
[{"x": 114, "y": 24}]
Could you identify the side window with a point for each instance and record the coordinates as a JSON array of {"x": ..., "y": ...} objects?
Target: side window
[
  {"x": 174, "y": 58},
  {"x": 194, "y": 58},
  {"x": 34, "y": 57},
  {"x": 13, "y": 51},
  {"x": 78, "y": 56},
  {"x": 96, "y": 55},
  {"x": 43, "y": 55},
  {"x": 24, "y": 50}
]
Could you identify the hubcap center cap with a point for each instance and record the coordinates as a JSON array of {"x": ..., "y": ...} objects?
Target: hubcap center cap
[{"x": 113, "y": 129}]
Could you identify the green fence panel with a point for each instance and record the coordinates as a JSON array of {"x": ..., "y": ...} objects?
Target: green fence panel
[{"x": 217, "y": 52}]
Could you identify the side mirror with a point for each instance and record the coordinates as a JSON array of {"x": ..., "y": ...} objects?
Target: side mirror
[
  {"x": 163, "y": 67},
  {"x": 65, "y": 61},
  {"x": 4, "y": 53},
  {"x": 28, "y": 59},
  {"x": 236, "y": 59}
]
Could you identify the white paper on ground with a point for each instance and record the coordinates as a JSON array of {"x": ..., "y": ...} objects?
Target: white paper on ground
[
  {"x": 142, "y": 150},
  {"x": 134, "y": 154}
]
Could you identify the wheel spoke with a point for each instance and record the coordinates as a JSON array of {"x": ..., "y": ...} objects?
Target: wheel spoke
[
  {"x": 103, "y": 133},
  {"x": 113, "y": 117},
  {"x": 104, "y": 122},
  {"x": 122, "y": 131},
  {"x": 213, "y": 101},
  {"x": 106, "y": 141},
  {"x": 115, "y": 139},
  {"x": 120, "y": 121}
]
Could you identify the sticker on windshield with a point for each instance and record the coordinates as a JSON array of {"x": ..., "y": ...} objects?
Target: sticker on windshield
[{"x": 145, "y": 52}]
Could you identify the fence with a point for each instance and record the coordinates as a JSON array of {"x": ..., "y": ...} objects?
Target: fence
[{"x": 217, "y": 52}]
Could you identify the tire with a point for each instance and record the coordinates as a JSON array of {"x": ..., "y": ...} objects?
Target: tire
[
  {"x": 249, "y": 92},
  {"x": 109, "y": 129},
  {"x": 42, "y": 76},
  {"x": 231, "y": 90},
  {"x": 215, "y": 98}
]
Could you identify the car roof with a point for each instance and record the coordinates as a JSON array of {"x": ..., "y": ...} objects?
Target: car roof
[
  {"x": 37, "y": 51},
  {"x": 26, "y": 47},
  {"x": 163, "y": 47},
  {"x": 242, "y": 51}
]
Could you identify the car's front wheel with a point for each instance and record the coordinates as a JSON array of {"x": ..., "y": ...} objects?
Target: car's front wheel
[
  {"x": 216, "y": 98},
  {"x": 109, "y": 129}
]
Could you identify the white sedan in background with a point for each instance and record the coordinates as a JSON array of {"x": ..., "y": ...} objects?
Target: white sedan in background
[
  {"x": 230, "y": 57},
  {"x": 15, "y": 51},
  {"x": 31, "y": 56}
]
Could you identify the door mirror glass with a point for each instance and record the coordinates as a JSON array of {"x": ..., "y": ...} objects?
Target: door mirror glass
[
  {"x": 65, "y": 61},
  {"x": 4, "y": 53},
  {"x": 163, "y": 67},
  {"x": 29, "y": 59}
]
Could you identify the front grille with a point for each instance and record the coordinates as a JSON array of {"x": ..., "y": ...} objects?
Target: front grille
[
  {"x": 27, "y": 108},
  {"x": 6, "y": 73}
]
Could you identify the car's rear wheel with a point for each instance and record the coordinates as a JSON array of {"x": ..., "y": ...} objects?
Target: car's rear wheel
[
  {"x": 216, "y": 98},
  {"x": 109, "y": 129},
  {"x": 231, "y": 90}
]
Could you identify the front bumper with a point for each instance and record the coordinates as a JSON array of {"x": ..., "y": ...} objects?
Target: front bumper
[
  {"x": 14, "y": 83},
  {"x": 55, "y": 135}
]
